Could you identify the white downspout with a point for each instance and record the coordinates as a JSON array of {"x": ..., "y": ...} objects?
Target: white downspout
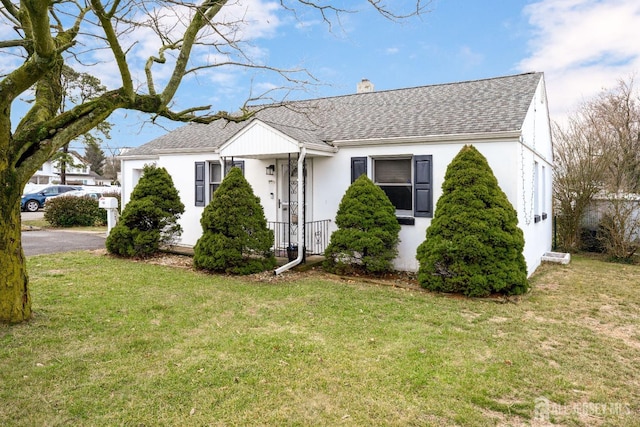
[{"x": 301, "y": 216}]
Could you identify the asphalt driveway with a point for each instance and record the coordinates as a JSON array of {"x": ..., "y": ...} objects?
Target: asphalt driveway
[
  {"x": 47, "y": 241},
  {"x": 37, "y": 242}
]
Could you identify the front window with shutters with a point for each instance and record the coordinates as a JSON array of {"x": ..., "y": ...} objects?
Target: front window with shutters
[
  {"x": 215, "y": 177},
  {"x": 394, "y": 177},
  {"x": 209, "y": 175},
  {"x": 407, "y": 181}
]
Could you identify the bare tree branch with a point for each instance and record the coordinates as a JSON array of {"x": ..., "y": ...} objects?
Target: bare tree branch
[
  {"x": 12, "y": 43},
  {"x": 42, "y": 40},
  {"x": 118, "y": 53},
  {"x": 10, "y": 12},
  {"x": 387, "y": 12},
  {"x": 597, "y": 153},
  {"x": 203, "y": 15}
]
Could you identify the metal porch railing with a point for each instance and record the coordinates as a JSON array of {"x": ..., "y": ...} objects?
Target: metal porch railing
[{"x": 316, "y": 237}]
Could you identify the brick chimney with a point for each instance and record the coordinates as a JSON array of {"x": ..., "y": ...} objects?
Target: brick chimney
[{"x": 365, "y": 86}]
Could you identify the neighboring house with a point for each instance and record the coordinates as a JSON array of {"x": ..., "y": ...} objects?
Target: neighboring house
[
  {"x": 77, "y": 174},
  {"x": 48, "y": 173},
  {"x": 402, "y": 139}
]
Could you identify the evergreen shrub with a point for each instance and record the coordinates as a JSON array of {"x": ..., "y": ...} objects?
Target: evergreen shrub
[
  {"x": 235, "y": 237},
  {"x": 150, "y": 219},
  {"x": 473, "y": 245},
  {"x": 367, "y": 236}
]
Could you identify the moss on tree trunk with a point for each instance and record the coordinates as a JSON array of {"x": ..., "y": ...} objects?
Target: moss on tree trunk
[{"x": 15, "y": 301}]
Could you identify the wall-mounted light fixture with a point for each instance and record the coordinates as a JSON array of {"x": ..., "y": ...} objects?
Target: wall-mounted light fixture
[{"x": 271, "y": 169}]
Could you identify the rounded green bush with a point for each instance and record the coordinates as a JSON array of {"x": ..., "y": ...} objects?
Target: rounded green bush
[
  {"x": 150, "y": 219},
  {"x": 132, "y": 242},
  {"x": 367, "y": 236},
  {"x": 70, "y": 211},
  {"x": 473, "y": 245},
  {"x": 235, "y": 238}
]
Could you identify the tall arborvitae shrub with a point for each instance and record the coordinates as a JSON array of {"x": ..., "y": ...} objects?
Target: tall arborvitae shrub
[
  {"x": 473, "y": 245},
  {"x": 235, "y": 238},
  {"x": 150, "y": 219},
  {"x": 367, "y": 236}
]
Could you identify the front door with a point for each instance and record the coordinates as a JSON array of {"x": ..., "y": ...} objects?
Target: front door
[{"x": 288, "y": 211}]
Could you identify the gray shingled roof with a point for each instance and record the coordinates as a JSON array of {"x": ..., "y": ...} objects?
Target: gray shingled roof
[{"x": 480, "y": 106}]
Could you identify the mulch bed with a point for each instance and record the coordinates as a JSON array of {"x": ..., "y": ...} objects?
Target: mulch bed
[{"x": 397, "y": 279}]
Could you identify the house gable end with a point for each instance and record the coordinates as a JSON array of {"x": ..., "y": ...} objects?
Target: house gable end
[{"x": 258, "y": 139}]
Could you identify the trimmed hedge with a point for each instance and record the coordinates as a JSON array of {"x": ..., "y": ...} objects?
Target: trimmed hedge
[
  {"x": 73, "y": 211},
  {"x": 70, "y": 211}
]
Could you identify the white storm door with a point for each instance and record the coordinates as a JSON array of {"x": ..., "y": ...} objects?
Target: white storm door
[{"x": 288, "y": 212}]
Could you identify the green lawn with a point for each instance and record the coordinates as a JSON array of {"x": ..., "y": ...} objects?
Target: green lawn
[
  {"x": 35, "y": 223},
  {"x": 43, "y": 223},
  {"x": 115, "y": 342}
]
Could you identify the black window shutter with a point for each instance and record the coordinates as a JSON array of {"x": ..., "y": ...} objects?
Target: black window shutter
[
  {"x": 423, "y": 186},
  {"x": 358, "y": 167},
  {"x": 200, "y": 184}
]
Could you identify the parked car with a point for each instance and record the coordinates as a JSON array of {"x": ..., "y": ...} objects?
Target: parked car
[
  {"x": 33, "y": 201},
  {"x": 77, "y": 193}
]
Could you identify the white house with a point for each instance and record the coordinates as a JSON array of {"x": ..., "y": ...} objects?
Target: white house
[
  {"x": 79, "y": 173},
  {"x": 402, "y": 139}
]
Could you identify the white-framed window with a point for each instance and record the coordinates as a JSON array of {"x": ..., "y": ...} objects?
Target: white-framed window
[
  {"x": 543, "y": 192},
  {"x": 209, "y": 175},
  {"x": 406, "y": 180},
  {"x": 215, "y": 177},
  {"x": 536, "y": 192},
  {"x": 394, "y": 177}
]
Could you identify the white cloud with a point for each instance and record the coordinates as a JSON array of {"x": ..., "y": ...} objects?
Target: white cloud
[
  {"x": 307, "y": 25},
  {"x": 583, "y": 46},
  {"x": 250, "y": 19},
  {"x": 468, "y": 57},
  {"x": 241, "y": 21},
  {"x": 264, "y": 87},
  {"x": 391, "y": 50}
]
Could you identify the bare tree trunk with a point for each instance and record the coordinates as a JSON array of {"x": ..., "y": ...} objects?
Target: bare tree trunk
[
  {"x": 15, "y": 301},
  {"x": 63, "y": 164}
]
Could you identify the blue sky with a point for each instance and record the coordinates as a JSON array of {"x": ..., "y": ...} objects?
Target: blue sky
[{"x": 582, "y": 46}]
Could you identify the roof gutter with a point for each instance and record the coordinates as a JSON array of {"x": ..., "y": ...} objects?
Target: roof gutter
[
  {"x": 138, "y": 157},
  {"x": 439, "y": 139},
  {"x": 301, "y": 214}
]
